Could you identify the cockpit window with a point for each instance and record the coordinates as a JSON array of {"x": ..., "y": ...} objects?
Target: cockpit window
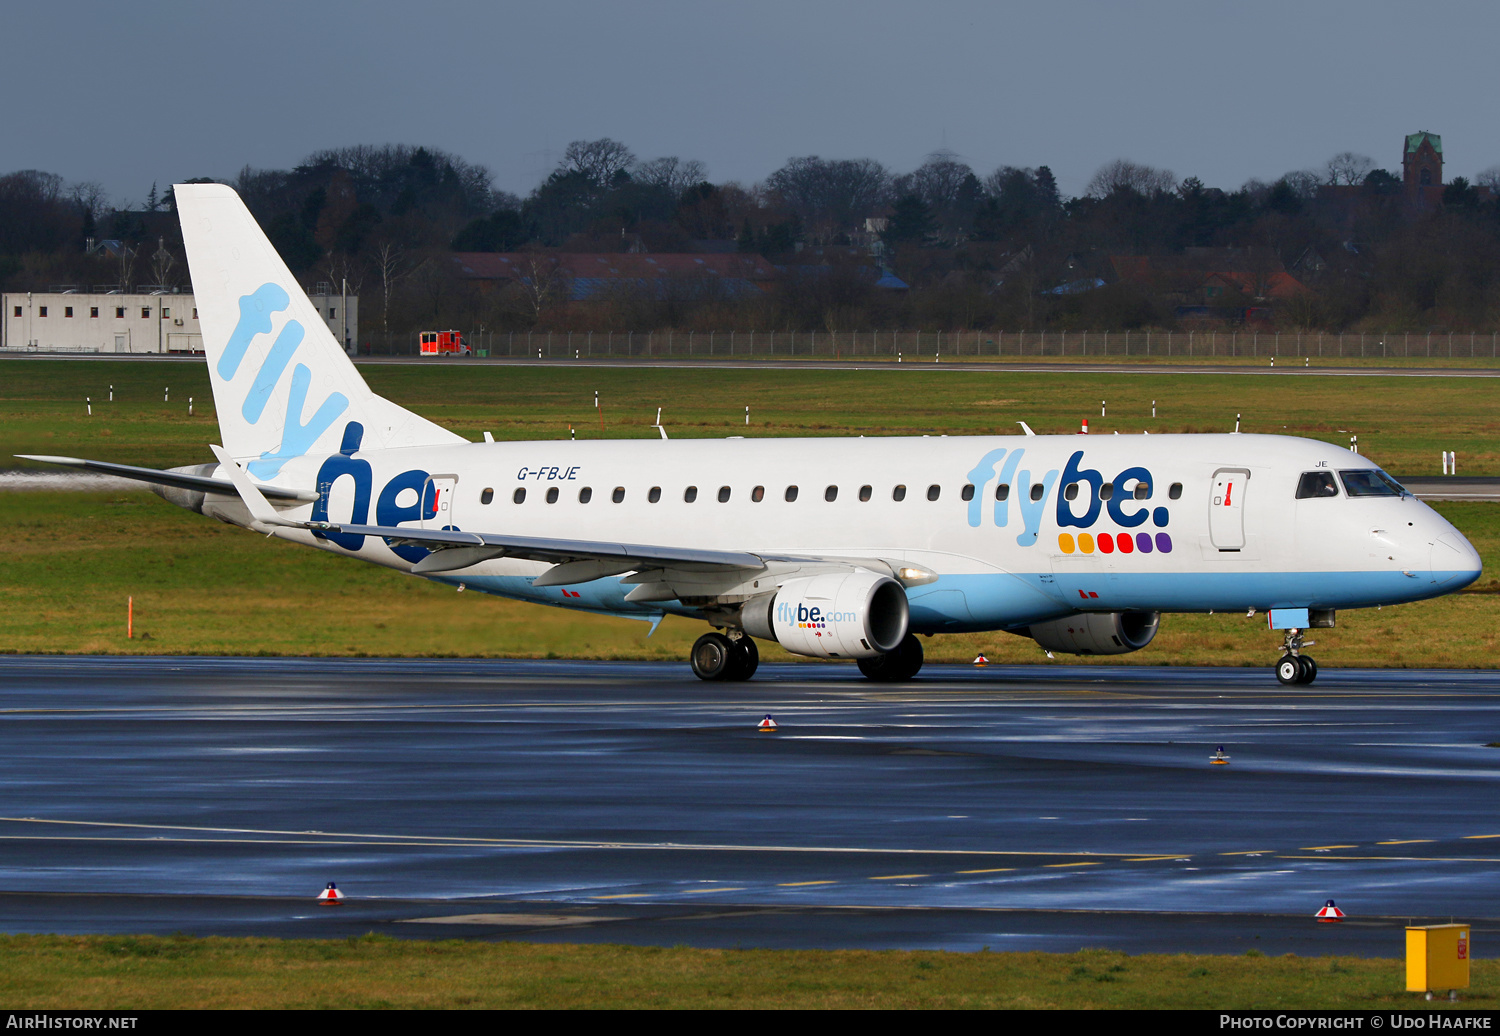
[
  {"x": 1370, "y": 482},
  {"x": 1317, "y": 483}
]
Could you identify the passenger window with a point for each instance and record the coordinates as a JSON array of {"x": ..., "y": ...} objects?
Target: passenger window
[
  {"x": 552, "y": 495},
  {"x": 486, "y": 496},
  {"x": 1002, "y": 491},
  {"x": 689, "y": 494},
  {"x": 1106, "y": 491},
  {"x": 899, "y": 493},
  {"x": 791, "y": 493},
  {"x": 1316, "y": 483},
  {"x": 654, "y": 495},
  {"x": 831, "y": 494},
  {"x": 865, "y": 492},
  {"x": 585, "y": 494},
  {"x": 1037, "y": 489},
  {"x": 933, "y": 491},
  {"x": 1071, "y": 492},
  {"x": 619, "y": 494},
  {"x": 1175, "y": 491},
  {"x": 519, "y": 496},
  {"x": 758, "y": 494},
  {"x": 1370, "y": 482},
  {"x": 1142, "y": 491},
  {"x": 968, "y": 492},
  {"x": 723, "y": 494}
]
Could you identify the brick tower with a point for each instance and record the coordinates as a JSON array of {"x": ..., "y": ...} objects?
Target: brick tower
[{"x": 1422, "y": 162}]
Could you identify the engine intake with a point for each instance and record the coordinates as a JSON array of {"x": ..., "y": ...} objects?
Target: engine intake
[
  {"x": 1094, "y": 633},
  {"x": 838, "y": 615}
]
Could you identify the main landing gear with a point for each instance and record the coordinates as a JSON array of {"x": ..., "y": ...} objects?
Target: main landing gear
[
  {"x": 717, "y": 657},
  {"x": 1294, "y": 666},
  {"x": 894, "y": 666}
]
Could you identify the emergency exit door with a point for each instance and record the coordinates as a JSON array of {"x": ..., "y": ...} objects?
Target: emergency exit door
[
  {"x": 1226, "y": 511},
  {"x": 437, "y": 502}
]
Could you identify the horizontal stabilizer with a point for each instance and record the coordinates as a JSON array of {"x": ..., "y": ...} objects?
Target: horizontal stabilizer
[{"x": 180, "y": 479}]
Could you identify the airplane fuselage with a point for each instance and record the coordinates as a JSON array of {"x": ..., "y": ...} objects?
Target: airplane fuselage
[{"x": 1018, "y": 529}]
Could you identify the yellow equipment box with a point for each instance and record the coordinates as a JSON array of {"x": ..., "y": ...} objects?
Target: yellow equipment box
[{"x": 1437, "y": 957}]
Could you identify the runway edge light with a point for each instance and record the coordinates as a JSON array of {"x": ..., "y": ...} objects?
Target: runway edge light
[
  {"x": 330, "y": 896},
  {"x": 1329, "y": 913},
  {"x": 1219, "y": 758},
  {"x": 766, "y": 725},
  {"x": 981, "y": 660}
]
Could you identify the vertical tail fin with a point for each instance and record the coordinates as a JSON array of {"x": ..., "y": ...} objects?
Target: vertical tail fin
[{"x": 283, "y": 386}]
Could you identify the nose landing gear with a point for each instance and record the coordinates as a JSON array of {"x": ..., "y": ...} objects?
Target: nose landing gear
[{"x": 1294, "y": 667}]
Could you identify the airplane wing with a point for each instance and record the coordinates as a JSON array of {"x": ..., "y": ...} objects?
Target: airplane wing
[{"x": 180, "y": 479}]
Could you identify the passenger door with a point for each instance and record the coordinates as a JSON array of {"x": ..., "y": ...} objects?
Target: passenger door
[{"x": 1226, "y": 511}]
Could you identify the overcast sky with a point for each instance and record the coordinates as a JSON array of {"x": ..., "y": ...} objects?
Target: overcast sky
[{"x": 128, "y": 94}]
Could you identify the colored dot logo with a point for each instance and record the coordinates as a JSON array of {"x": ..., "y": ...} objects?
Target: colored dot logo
[{"x": 1108, "y": 543}]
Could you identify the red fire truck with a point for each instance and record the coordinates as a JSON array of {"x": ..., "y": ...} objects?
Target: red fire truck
[{"x": 444, "y": 343}]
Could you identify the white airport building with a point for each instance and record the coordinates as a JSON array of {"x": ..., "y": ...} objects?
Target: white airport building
[{"x": 76, "y": 321}]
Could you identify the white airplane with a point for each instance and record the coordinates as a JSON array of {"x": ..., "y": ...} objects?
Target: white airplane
[{"x": 832, "y": 548}]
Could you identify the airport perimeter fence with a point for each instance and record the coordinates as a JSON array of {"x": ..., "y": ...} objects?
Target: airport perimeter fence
[{"x": 918, "y": 346}]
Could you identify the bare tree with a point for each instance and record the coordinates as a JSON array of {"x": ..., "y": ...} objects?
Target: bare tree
[
  {"x": 1489, "y": 178},
  {"x": 938, "y": 181},
  {"x": 340, "y": 268},
  {"x": 1346, "y": 169},
  {"x": 392, "y": 264},
  {"x": 600, "y": 160},
  {"x": 671, "y": 174},
  {"x": 831, "y": 195},
  {"x": 162, "y": 261},
  {"x": 127, "y": 264},
  {"x": 1123, "y": 174},
  {"x": 949, "y": 188},
  {"x": 89, "y": 198},
  {"x": 1303, "y": 182},
  {"x": 544, "y": 282}
]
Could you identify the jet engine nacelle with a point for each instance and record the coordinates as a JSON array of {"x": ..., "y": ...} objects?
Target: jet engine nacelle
[
  {"x": 838, "y": 615},
  {"x": 1092, "y": 633}
]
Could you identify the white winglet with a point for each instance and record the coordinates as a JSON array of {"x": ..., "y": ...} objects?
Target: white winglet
[{"x": 260, "y": 508}]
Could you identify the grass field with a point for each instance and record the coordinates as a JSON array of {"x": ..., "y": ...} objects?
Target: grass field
[
  {"x": 1403, "y": 423},
  {"x": 204, "y": 588},
  {"x": 126, "y": 973}
]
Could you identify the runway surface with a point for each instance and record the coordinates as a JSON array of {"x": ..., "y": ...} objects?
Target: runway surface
[{"x": 1047, "y": 807}]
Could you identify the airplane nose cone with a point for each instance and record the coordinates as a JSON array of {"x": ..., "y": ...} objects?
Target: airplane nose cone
[{"x": 1455, "y": 563}]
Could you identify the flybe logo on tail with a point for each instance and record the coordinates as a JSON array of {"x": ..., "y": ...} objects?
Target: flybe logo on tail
[
  {"x": 297, "y": 436},
  {"x": 1122, "y": 499}
]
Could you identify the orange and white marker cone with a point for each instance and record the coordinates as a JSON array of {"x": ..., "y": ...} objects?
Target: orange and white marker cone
[
  {"x": 1085, "y": 429},
  {"x": 767, "y": 725},
  {"x": 1329, "y": 913},
  {"x": 331, "y": 896},
  {"x": 981, "y": 660}
]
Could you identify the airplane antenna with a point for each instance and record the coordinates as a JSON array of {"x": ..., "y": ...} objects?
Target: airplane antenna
[
  {"x": 1236, "y": 424},
  {"x": 1025, "y": 427},
  {"x": 657, "y": 425}
]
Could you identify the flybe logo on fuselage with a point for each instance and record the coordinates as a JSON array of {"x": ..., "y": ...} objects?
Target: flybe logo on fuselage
[
  {"x": 1124, "y": 499},
  {"x": 256, "y": 310}
]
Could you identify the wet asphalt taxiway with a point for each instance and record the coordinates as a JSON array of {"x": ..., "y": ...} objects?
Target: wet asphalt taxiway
[{"x": 1039, "y": 807}]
